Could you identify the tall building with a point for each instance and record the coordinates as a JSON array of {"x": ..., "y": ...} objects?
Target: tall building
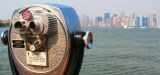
[
  {"x": 152, "y": 21},
  {"x": 85, "y": 20},
  {"x": 133, "y": 21},
  {"x": 155, "y": 19},
  {"x": 114, "y": 23},
  {"x": 138, "y": 22},
  {"x": 144, "y": 21},
  {"x": 99, "y": 21},
  {"x": 91, "y": 23},
  {"x": 106, "y": 15},
  {"x": 115, "y": 20},
  {"x": 124, "y": 20},
  {"x": 106, "y": 20}
]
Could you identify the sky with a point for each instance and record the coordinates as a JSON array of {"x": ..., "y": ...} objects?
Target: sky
[{"x": 91, "y": 8}]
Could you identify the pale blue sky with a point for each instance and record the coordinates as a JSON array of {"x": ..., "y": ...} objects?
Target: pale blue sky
[{"x": 90, "y": 7}]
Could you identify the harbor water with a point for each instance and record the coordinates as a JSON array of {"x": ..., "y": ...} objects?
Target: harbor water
[{"x": 115, "y": 52}]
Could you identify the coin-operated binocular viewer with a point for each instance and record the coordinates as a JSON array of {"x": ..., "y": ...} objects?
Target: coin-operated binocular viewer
[{"x": 46, "y": 40}]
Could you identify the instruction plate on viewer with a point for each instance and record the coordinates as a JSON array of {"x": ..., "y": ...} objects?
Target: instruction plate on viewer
[{"x": 36, "y": 58}]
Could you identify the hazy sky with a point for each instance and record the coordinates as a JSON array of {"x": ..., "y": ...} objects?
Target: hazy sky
[{"x": 90, "y": 7}]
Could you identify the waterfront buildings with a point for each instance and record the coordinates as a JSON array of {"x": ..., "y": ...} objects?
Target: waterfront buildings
[
  {"x": 4, "y": 22},
  {"x": 109, "y": 20}
]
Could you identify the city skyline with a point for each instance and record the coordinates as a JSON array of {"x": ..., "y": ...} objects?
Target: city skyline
[
  {"x": 122, "y": 20},
  {"x": 114, "y": 20},
  {"x": 92, "y": 8}
]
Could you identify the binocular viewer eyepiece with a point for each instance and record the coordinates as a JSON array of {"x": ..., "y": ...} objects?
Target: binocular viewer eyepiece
[
  {"x": 32, "y": 25},
  {"x": 18, "y": 25},
  {"x": 46, "y": 39}
]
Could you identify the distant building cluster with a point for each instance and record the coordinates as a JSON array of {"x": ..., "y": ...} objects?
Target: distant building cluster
[
  {"x": 4, "y": 23},
  {"x": 121, "y": 21}
]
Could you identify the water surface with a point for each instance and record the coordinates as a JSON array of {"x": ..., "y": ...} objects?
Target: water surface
[{"x": 115, "y": 52}]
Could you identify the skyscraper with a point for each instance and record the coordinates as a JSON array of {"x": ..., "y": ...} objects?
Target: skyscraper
[
  {"x": 85, "y": 20},
  {"x": 144, "y": 21},
  {"x": 155, "y": 19},
  {"x": 106, "y": 15},
  {"x": 152, "y": 21},
  {"x": 133, "y": 21},
  {"x": 99, "y": 21},
  {"x": 137, "y": 22},
  {"x": 106, "y": 20},
  {"x": 115, "y": 21},
  {"x": 124, "y": 20}
]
